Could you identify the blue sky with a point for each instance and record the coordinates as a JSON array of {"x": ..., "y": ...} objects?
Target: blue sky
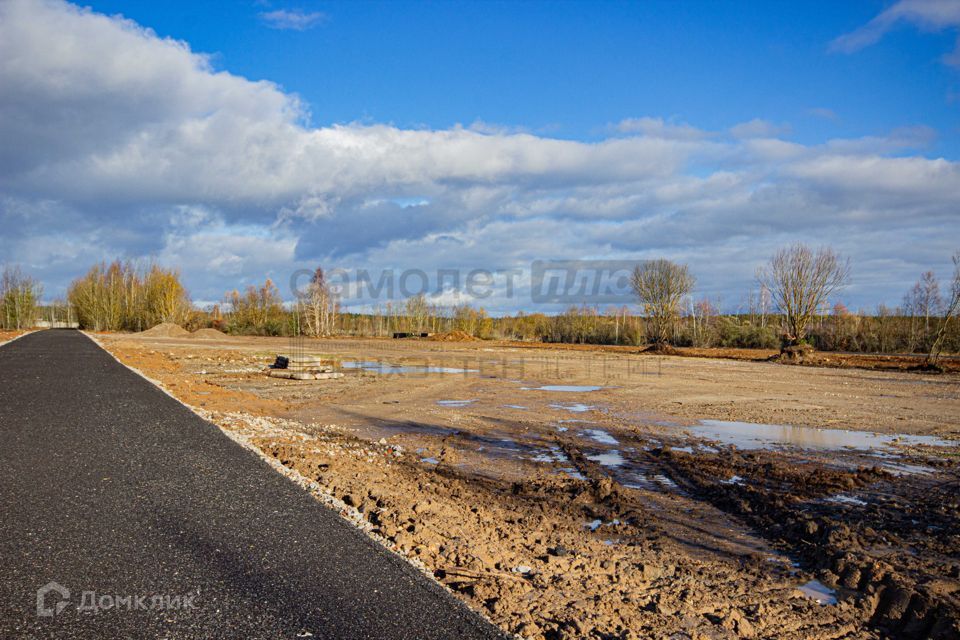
[
  {"x": 244, "y": 140},
  {"x": 570, "y": 69}
]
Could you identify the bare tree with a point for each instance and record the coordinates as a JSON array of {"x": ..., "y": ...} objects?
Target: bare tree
[
  {"x": 319, "y": 305},
  {"x": 661, "y": 285},
  {"x": 923, "y": 301},
  {"x": 800, "y": 281},
  {"x": 417, "y": 311},
  {"x": 19, "y": 298},
  {"x": 952, "y": 309}
]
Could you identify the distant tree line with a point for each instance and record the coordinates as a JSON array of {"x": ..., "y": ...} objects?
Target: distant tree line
[
  {"x": 124, "y": 296},
  {"x": 794, "y": 303}
]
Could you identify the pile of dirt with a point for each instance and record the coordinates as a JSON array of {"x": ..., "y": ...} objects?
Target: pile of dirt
[
  {"x": 661, "y": 349},
  {"x": 209, "y": 334},
  {"x": 795, "y": 354},
  {"x": 165, "y": 330},
  {"x": 453, "y": 336}
]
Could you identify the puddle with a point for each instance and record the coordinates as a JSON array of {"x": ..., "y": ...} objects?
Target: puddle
[
  {"x": 514, "y": 406},
  {"x": 593, "y": 525},
  {"x": 553, "y": 454},
  {"x": 384, "y": 368},
  {"x": 601, "y": 436},
  {"x": 820, "y": 593},
  {"x": 575, "y": 408},
  {"x": 842, "y": 498},
  {"x": 664, "y": 481},
  {"x": 608, "y": 458},
  {"x": 571, "y": 388},
  {"x": 454, "y": 403},
  {"x": 573, "y": 473},
  {"x": 733, "y": 480},
  {"x": 430, "y": 460},
  {"x": 904, "y": 469},
  {"x": 746, "y": 435}
]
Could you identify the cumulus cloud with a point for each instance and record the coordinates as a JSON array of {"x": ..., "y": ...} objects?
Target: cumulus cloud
[
  {"x": 658, "y": 128},
  {"x": 928, "y": 15},
  {"x": 119, "y": 143},
  {"x": 292, "y": 19}
]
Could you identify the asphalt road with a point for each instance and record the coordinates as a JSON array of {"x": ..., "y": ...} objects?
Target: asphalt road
[{"x": 127, "y": 499}]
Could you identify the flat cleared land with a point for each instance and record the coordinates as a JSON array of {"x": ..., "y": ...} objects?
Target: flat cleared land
[{"x": 641, "y": 508}]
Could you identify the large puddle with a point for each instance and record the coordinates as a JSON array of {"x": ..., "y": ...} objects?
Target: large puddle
[
  {"x": 385, "y": 368},
  {"x": 747, "y": 435}
]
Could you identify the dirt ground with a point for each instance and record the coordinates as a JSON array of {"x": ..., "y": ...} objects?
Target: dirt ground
[
  {"x": 9, "y": 334},
  {"x": 577, "y": 493},
  {"x": 821, "y": 359}
]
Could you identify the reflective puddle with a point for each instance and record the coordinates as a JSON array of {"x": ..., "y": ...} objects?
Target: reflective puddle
[
  {"x": 601, "y": 436},
  {"x": 842, "y": 498},
  {"x": 575, "y": 408},
  {"x": 454, "y": 403},
  {"x": 818, "y": 592},
  {"x": 608, "y": 458},
  {"x": 746, "y": 435},
  {"x": 385, "y": 368}
]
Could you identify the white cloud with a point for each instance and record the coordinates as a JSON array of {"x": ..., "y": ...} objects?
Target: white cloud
[
  {"x": 118, "y": 143},
  {"x": 292, "y": 19},
  {"x": 928, "y": 15},
  {"x": 658, "y": 128}
]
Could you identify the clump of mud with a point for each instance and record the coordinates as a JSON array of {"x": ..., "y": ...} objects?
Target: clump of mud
[
  {"x": 165, "y": 330},
  {"x": 892, "y": 558}
]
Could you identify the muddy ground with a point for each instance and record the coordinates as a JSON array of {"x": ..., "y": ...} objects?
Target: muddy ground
[{"x": 583, "y": 494}]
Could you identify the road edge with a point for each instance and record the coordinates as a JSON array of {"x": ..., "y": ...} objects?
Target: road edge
[
  {"x": 312, "y": 487},
  {"x": 14, "y": 338}
]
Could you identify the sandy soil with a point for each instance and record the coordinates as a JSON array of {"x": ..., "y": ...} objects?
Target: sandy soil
[
  {"x": 616, "y": 512},
  {"x": 7, "y": 335},
  {"x": 820, "y": 359}
]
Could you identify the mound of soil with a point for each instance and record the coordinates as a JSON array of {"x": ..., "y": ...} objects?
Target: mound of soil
[
  {"x": 453, "y": 336},
  {"x": 209, "y": 334},
  {"x": 795, "y": 354},
  {"x": 662, "y": 349},
  {"x": 165, "y": 330}
]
